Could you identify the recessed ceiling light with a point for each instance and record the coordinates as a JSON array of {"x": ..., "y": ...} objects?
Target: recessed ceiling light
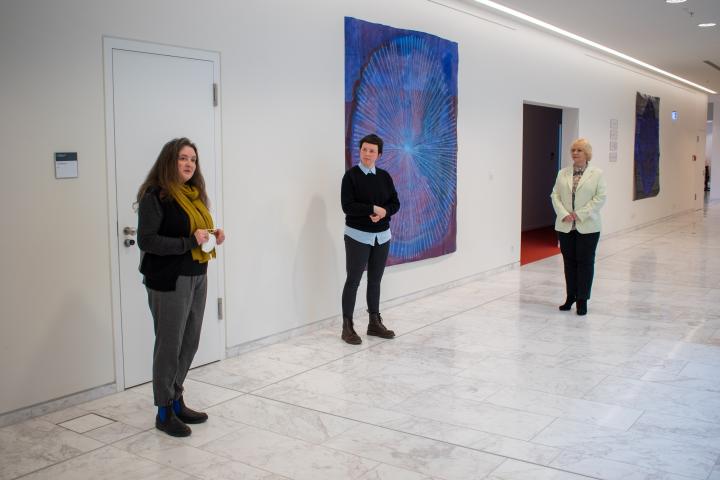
[
  {"x": 707, "y": 25},
  {"x": 675, "y": 1},
  {"x": 589, "y": 43}
]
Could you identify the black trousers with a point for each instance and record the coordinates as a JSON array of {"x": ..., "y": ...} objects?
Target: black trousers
[
  {"x": 358, "y": 256},
  {"x": 578, "y": 251}
]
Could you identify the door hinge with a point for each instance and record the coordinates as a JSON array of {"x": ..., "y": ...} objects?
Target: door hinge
[
  {"x": 220, "y": 308},
  {"x": 215, "y": 94}
]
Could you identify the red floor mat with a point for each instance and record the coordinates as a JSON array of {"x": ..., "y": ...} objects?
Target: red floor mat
[{"x": 538, "y": 244}]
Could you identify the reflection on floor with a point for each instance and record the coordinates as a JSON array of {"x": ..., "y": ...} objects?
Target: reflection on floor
[{"x": 486, "y": 380}]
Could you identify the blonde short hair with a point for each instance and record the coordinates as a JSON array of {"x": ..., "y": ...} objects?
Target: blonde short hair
[{"x": 584, "y": 145}]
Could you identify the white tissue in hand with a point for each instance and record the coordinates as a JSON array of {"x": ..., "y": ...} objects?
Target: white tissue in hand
[{"x": 208, "y": 246}]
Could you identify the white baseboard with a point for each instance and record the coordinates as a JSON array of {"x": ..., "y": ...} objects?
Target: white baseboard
[{"x": 57, "y": 404}]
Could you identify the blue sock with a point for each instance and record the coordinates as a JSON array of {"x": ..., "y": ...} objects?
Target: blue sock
[
  {"x": 176, "y": 406},
  {"x": 162, "y": 413}
]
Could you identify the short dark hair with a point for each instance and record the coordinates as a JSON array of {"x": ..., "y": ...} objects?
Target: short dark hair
[{"x": 372, "y": 139}]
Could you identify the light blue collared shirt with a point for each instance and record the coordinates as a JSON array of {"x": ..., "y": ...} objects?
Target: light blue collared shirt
[{"x": 368, "y": 238}]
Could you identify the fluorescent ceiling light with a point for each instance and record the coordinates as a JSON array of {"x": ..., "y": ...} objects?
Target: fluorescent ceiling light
[
  {"x": 706, "y": 25},
  {"x": 675, "y": 1},
  {"x": 589, "y": 43}
]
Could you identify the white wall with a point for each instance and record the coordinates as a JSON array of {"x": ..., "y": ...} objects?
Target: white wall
[
  {"x": 714, "y": 153},
  {"x": 282, "y": 125}
]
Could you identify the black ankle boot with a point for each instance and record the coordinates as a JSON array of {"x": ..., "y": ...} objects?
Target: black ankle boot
[
  {"x": 188, "y": 415},
  {"x": 376, "y": 327},
  {"x": 581, "y": 307},
  {"x": 568, "y": 304},
  {"x": 172, "y": 425},
  {"x": 348, "y": 332}
]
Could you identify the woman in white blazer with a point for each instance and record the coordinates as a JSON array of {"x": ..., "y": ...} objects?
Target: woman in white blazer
[{"x": 577, "y": 197}]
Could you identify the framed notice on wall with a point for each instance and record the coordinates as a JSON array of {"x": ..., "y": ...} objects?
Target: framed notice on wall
[{"x": 613, "y": 146}]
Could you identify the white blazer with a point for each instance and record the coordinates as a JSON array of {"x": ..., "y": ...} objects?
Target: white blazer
[{"x": 590, "y": 196}]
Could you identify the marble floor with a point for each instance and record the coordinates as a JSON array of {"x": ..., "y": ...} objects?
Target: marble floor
[{"x": 487, "y": 380}]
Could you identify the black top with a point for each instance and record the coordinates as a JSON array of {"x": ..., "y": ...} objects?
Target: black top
[
  {"x": 358, "y": 194},
  {"x": 165, "y": 239}
]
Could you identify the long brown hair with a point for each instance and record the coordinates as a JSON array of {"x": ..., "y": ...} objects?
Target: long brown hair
[{"x": 164, "y": 173}]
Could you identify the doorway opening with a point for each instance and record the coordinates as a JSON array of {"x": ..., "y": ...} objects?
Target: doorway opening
[{"x": 547, "y": 133}]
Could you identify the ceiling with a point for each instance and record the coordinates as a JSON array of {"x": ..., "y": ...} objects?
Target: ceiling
[{"x": 653, "y": 31}]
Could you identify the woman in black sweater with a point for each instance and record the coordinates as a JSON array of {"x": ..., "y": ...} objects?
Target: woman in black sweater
[
  {"x": 368, "y": 199},
  {"x": 174, "y": 228}
]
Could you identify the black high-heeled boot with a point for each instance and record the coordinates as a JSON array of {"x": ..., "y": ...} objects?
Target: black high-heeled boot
[
  {"x": 568, "y": 304},
  {"x": 581, "y": 307}
]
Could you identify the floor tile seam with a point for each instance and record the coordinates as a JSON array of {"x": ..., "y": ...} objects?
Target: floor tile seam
[
  {"x": 307, "y": 369},
  {"x": 398, "y": 412},
  {"x": 689, "y": 389},
  {"x": 579, "y": 450},
  {"x": 563, "y": 367},
  {"x": 669, "y": 437},
  {"x": 664, "y": 412},
  {"x": 650, "y": 469},
  {"x": 234, "y": 460},
  {"x": 583, "y": 475},
  {"x": 179, "y": 443},
  {"x": 654, "y": 282},
  {"x": 678, "y": 377},
  {"x": 403, "y": 432},
  {"x": 654, "y": 238},
  {"x": 582, "y": 399},
  {"x": 374, "y": 345},
  {"x": 164, "y": 465},
  {"x": 355, "y": 422},
  {"x": 333, "y": 397},
  {"x": 627, "y": 316},
  {"x": 633, "y": 433},
  {"x": 310, "y": 444},
  {"x": 25, "y": 475},
  {"x": 464, "y": 447}
]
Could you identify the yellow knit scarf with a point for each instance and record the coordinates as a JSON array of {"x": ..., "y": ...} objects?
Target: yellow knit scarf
[{"x": 188, "y": 197}]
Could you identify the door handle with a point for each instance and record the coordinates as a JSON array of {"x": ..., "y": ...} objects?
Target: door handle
[
  {"x": 129, "y": 231},
  {"x": 129, "y": 242}
]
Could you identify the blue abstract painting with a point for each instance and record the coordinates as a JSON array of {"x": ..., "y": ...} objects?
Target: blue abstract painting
[
  {"x": 402, "y": 85},
  {"x": 647, "y": 146}
]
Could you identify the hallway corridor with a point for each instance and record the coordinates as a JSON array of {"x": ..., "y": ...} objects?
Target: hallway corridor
[{"x": 486, "y": 380}]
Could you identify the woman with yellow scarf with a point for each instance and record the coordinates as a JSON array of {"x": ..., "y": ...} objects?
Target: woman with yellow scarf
[{"x": 173, "y": 225}]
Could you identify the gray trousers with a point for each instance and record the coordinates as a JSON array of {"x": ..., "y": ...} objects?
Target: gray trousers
[{"x": 177, "y": 317}]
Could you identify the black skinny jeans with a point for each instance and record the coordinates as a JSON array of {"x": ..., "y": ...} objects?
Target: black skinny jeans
[
  {"x": 358, "y": 256},
  {"x": 578, "y": 251}
]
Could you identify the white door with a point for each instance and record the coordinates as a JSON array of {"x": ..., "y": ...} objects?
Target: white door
[
  {"x": 699, "y": 169},
  {"x": 157, "y": 98}
]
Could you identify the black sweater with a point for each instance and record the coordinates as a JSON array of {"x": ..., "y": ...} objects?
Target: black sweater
[
  {"x": 358, "y": 194},
  {"x": 165, "y": 239}
]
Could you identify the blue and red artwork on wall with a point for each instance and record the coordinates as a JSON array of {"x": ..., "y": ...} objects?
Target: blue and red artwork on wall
[
  {"x": 647, "y": 146},
  {"x": 402, "y": 85}
]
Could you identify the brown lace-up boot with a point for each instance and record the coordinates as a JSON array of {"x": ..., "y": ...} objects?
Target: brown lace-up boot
[
  {"x": 348, "y": 332},
  {"x": 376, "y": 327}
]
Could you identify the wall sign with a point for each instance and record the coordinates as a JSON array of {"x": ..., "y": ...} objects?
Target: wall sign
[
  {"x": 613, "y": 150},
  {"x": 66, "y": 165}
]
